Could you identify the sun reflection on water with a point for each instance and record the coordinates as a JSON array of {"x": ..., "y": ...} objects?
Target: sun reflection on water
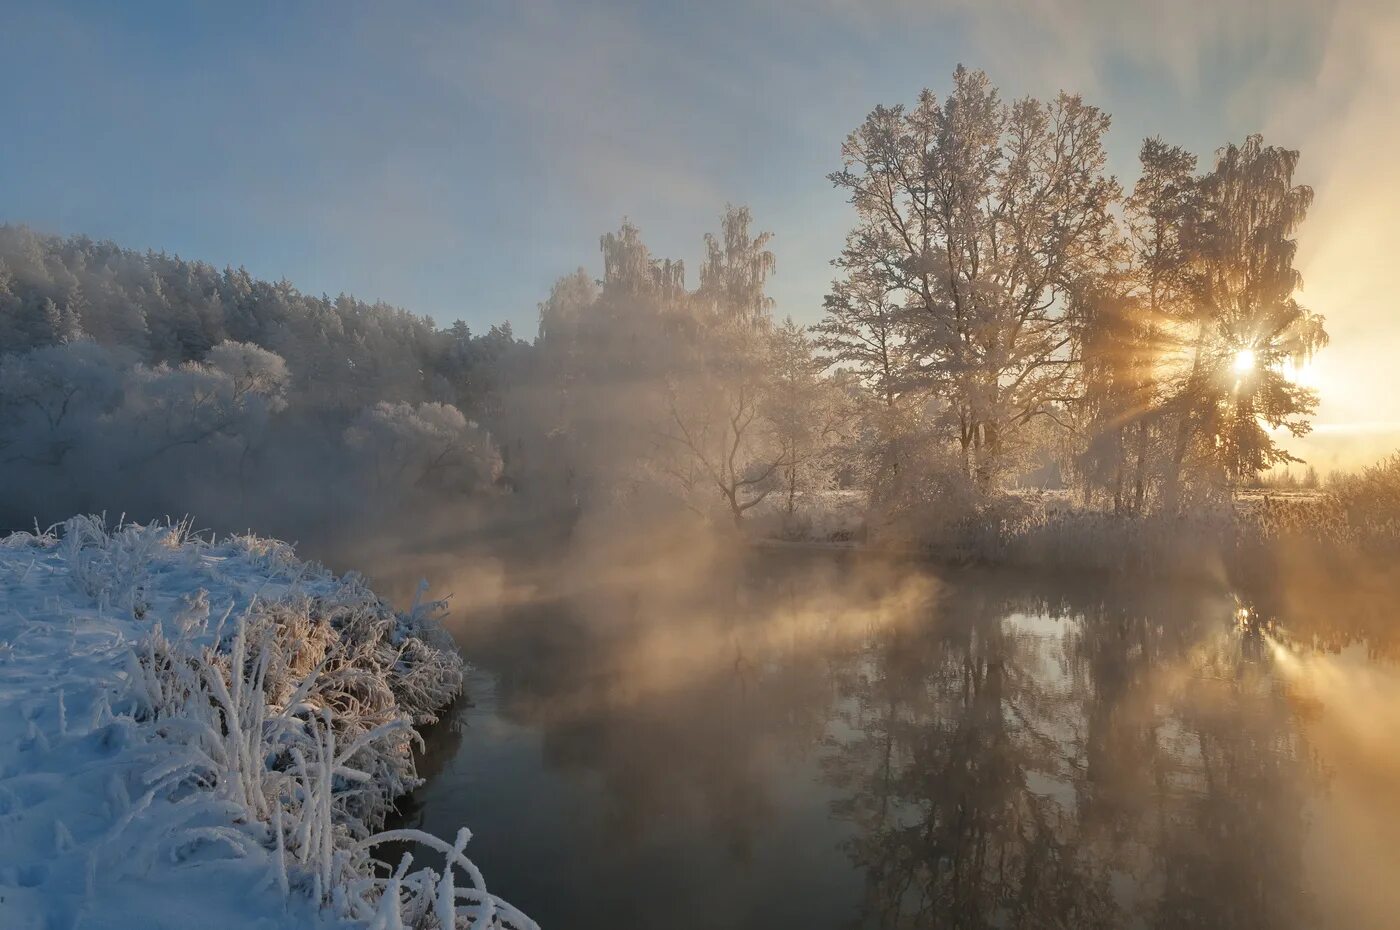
[{"x": 1349, "y": 711}]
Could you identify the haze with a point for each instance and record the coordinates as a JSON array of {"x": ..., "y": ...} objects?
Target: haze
[{"x": 457, "y": 158}]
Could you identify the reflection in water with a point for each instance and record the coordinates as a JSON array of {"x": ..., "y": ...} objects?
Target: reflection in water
[
  {"x": 1107, "y": 771},
  {"x": 827, "y": 743},
  {"x": 1349, "y": 710}
]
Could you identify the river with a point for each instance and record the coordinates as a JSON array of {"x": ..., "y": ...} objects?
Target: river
[{"x": 817, "y": 740}]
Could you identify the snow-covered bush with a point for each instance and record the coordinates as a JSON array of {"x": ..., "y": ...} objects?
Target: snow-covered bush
[
  {"x": 827, "y": 516},
  {"x": 85, "y": 426},
  {"x": 267, "y": 709}
]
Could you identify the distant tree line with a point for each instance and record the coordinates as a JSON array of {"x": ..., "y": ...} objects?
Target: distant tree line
[
  {"x": 144, "y": 383},
  {"x": 162, "y": 309}
]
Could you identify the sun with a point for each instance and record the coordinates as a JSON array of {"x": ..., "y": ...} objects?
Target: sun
[{"x": 1244, "y": 361}]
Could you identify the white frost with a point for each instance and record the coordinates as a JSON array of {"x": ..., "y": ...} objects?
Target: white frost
[{"x": 207, "y": 735}]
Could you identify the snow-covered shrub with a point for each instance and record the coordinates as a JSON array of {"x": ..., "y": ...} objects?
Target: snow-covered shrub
[
  {"x": 1084, "y": 539},
  {"x": 828, "y": 516},
  {"x": 269, "y": 708}
]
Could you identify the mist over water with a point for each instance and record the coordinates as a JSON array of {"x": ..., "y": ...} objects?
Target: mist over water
[{"x": 825, "y": 740}]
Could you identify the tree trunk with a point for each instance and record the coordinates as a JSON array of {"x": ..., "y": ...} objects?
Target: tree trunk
[
  {"x": 989, "y": 452},
  {"x": 1171, "y": 494},
  {"x": 1118, "y": 465},
  {"x": 1140, "y": 471}
]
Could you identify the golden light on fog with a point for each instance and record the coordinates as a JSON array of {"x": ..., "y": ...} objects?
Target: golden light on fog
[
  {"x": 1244, "y": 361},
  {"x": 1303, "y": 375}
]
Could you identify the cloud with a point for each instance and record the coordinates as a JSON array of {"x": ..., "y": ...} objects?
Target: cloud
[
  {"x": 594, "y": 99},
  {"x": 1078, "y": 43}
]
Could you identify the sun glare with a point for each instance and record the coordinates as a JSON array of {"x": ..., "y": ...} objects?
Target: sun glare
[
  {"x": 1304, "y": 375},
  {"x": 1244, "y": 361}
]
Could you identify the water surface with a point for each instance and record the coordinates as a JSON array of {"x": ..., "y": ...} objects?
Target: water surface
[{"x": 815, "y": 741}]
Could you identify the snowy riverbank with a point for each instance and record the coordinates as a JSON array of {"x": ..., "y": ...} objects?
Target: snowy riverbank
[{"x": 201, "y": 734}]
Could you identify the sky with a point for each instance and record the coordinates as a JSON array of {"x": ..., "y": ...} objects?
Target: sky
[{"x": 456, "y": 158}]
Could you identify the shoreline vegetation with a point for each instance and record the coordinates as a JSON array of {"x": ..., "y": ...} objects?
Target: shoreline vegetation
[
  {"x": 222, "y": 725},
  {"x": 1050, "y": 529},
  {"x": 1290, "y": 559}
]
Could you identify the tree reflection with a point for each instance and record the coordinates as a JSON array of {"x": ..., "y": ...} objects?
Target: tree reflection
[
  {"x": 1229, "y": 850},
  {"x": 683, "y": 703},
  {"x": 1003, "y": 751},
  {"x": 1134, "y": 765},
  {"x": 952, "y": 761}
]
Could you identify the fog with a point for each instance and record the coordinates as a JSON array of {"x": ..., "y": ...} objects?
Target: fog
[
  {"x": 813, "y": 738},
  {"x": 995, "y": 524}
]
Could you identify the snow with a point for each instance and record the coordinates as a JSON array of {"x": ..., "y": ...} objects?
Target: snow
[{"x": 208, "y": 734}]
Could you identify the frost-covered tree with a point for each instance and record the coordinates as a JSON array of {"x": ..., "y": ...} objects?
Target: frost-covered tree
[
  {"x": 809, "y": 414},
  {"x": 1246, "y": 325},
  {"x": 980, "y": 218},
  {"x": 422, "y": 446},
  {"x": 640, "y": 384},
  {"x": 595, "y": 408},
  {"x": 52, "y": 398},
  {"x": 1188, "y": 340},
  {"x": 721, "y": 437},
  {"x": 1132, "y": 319},
  {"x": 225, "y": 401},
  {"x": 252, "y": 372},
  {"x": 735, "y": 271},
  {"x": 237, "y": 387},
  {"x": 863, "y": 331},
  {"x": 82, "y": 423}
]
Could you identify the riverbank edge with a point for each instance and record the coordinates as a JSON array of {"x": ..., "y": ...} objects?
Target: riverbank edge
[{"x": 245, "y": 718}]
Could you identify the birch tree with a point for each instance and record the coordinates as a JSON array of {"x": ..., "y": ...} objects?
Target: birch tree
[
  {"x": 1248, "y": 324},
  {"x": 718, "y": 395}
]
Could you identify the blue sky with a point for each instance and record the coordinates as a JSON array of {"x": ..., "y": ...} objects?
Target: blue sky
[{"x": 456, "y": 158}]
